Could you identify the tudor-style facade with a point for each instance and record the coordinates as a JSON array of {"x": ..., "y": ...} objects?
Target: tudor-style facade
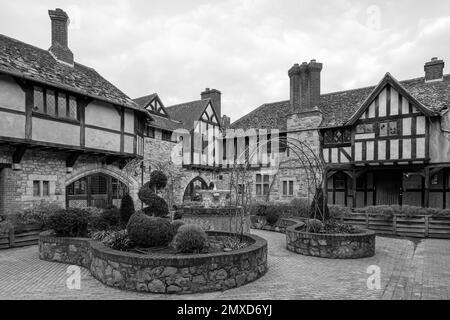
[
  {"x": 386, "y": 144},
  {"x": 65, "y": 132}
]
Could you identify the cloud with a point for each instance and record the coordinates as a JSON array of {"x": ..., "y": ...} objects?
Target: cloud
[{"x": 243, "y": 48}]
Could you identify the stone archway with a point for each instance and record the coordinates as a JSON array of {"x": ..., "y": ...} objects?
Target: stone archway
[
  {"x": 99, "y": 185},
  {"x": 198, "y": 183}
]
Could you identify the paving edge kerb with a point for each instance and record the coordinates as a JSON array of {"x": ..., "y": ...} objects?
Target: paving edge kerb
[{"x": 160, "y": 273}]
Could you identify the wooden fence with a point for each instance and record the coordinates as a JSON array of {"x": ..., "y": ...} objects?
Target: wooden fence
[
  {"x": 20, "y": 237},
  {"x": 419, "y": 226}
]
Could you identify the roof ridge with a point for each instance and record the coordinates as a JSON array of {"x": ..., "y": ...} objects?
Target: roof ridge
[{"x": 183, "y": 103}]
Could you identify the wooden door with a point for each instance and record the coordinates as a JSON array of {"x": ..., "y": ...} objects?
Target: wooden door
[
  {"x": 99, "y": 191},
  {"x": 388, "y": 187}
]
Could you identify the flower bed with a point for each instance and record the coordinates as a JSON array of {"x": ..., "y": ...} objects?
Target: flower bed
[
  {"x": 260, "y": 223},
  {"x": 158, "y": 272},
  {"x": 226, "y": 219},
  {"x": 336, "y": 246}
]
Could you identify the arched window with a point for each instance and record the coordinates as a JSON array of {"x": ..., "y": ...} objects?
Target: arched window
[
  {"x": 191, "y": 194},
  {"x": 97, "y": 190}
]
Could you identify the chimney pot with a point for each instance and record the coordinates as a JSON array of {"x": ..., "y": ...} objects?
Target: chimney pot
[
  {"x": 305, "y": 86},
  {"x": 434, "y": 70},
  {"x": 60, "y": 40}
]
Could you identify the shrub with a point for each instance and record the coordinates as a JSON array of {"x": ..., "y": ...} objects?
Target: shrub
[
  {"x": 147, "y": 231},
  {"x": 117, "y": 240},
  {"x": 300, "y": 207},
  {"x": 69, "y": 222},
  {"x": 407, "y": 211},
  {"x": 178, "y": 215},
  {"x": 272, "y": 216},
  {"x": 145, "y": 194},
  {"x": 158, "y": 180},
  {"x": 38, "y": 214},
  {"x": 314, "y": 226},
  {"x": 190, "y": 238},
  {"x": 105, "y": 219},
  {"x": 176, "y": 225},
  {"x": 126, "y": 209},
  {"x": 157, "y": 207},
  {"x": 339, "y": 211},
  {"x": 5, "y": 226}
]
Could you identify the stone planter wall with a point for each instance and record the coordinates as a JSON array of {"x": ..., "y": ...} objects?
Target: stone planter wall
[
  {"x": 160, "y": 273},
  {"x": 228, "y": 219},
  {"x": 336, "y": 246},
  {"x": 282, "y": 224}
]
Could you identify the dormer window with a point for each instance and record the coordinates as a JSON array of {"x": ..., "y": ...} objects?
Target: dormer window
[{"x": 337, "y": 136}]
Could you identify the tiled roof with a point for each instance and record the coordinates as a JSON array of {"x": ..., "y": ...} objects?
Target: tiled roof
[
  {"x": 188, "y": 112},
  {"x": 26, "y": 61},
  {"x": 338, "y": 107},
  {"x": 144, "y": 101}
]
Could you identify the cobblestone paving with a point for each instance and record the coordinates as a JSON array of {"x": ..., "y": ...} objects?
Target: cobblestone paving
[{"x": 407, "y": 272}]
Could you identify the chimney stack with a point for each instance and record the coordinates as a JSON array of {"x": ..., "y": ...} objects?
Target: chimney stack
[
  {"x": 60, "y": 42},
  {"x": 305, "y": 86},
  {"x": 434, "y": 70},
  {"x": 215, "y": 96}
]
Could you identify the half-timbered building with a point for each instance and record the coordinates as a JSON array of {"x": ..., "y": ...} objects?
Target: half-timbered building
[
  {"x": 386, "y": 144},
  {"x": 65, "y": 131}
]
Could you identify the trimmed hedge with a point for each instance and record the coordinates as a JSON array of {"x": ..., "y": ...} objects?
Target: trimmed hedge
[
  {"x": 69, "y": 222},
  {"x": 148, "y": 231},
  {"x": 408, "y": 211},
  {"x": 126, "y": 209},
  {"x": 190, "y": 238}
]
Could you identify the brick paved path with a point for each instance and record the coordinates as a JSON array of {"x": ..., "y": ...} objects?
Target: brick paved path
[{"x": 407, "y": 272}]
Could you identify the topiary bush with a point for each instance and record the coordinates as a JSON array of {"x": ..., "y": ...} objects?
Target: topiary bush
[
  {"x": 272, "y": 216},
  {"x": 145, "y": 194},
  {"x": 126, "y": 209},
  {"x": 69, "y": 222},
  {"x": 158, "y": 180},
  {"x": 314, "y": 226},
  {"x": 147, "y": 231},
  {"x": 157, "y": 206},
  {"x": 38, "y": 214},
  {"x": 176, "y": 225},
  {"x": 190, "y": 238}
]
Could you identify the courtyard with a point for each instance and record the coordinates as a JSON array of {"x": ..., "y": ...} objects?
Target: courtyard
[{"x": 410, "y": 269}]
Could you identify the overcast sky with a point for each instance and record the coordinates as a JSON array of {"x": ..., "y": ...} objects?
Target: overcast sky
[{"x": 242, "y": 47}]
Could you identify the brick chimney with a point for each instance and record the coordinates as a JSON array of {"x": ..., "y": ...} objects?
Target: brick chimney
[
  {"x": 305, "y": 86},
  {"x": 226, "y": 122},
  {"x": 434, "y": 70},
  {"x": 60, "y": 42},
  {"x": 215, "y": 96}
]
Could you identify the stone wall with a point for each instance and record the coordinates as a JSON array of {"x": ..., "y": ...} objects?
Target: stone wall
[
  {"x": 173, "y": 274},
  {"x": 17, "y": 185},
  {"x": 336, "y": 246}
]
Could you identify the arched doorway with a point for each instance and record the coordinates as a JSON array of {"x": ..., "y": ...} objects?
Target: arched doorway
[
  {"x": 97, "y": 190},
  {"x": 190, "y": 194}
]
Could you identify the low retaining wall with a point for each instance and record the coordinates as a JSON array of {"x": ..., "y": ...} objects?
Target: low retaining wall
[
  {"x": 227, "y": 219},
  {"x": 336, "y": 246},
  {"x": 160, "y": 273},
  {"x": 282, "y": 224}
]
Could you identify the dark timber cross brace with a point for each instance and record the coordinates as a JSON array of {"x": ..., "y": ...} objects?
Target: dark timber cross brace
[
  {"x": 18, "y": 154},
  {"x": 71, "y": 159}
]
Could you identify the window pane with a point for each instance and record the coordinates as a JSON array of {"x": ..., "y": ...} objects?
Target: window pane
[
  {"x": 284, "y": 188},
  {"x": 50, "y": 102},
  {"x": 393, "y": 128},
  {"x": 383, "y": 129},
  {"x": 347, "y": 135},
  {"x": 45, "y": 188},
  {"x": 258, "y": 190},
  {"x": 98, "y": 185},
  {"x": 291, "y": 188},
  {"x": 36, "y": 188},
  {"x": 328, "y": 136},
  {"x": 266, "y": 178},
  {"x": 337, "y": 137},
  {"x": 73, "y": 110},
  {"x": 360, "y": 128},
  {"x": 266, "y": 189},
  {"x": 258, "y": 178},
  {"x": 62, "y": 105},
  {"x": 339, "y": 184},
  {"x": 38, "y": 100},
  {"x": 368, "y": 128}
]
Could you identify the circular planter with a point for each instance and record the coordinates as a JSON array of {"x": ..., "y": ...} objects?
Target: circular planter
[
  {"x": 334, "y": 246},
  {"x": 260, "y": 223},
  {"x": 158, "y": 272}
]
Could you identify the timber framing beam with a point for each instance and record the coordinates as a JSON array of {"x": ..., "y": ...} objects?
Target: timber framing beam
[
  {"x": 18, "y": 154},
  {"x": 72, "y": 159}
]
